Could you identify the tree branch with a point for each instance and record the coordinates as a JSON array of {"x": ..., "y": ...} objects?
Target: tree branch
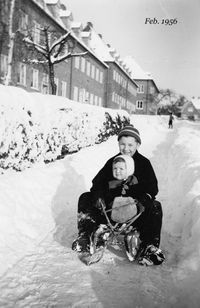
[
  {"x": 36, "y": 46},
  {"x": 59, "y": 42}
]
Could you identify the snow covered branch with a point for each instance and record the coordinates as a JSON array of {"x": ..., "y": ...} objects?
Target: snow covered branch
[{"x": 41, "y": 49}]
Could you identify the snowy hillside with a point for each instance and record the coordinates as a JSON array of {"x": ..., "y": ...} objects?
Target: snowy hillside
[{"x": 38, "y": 224}]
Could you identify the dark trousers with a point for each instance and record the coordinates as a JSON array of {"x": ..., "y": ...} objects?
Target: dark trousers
[{"x": 148, "y": 224}]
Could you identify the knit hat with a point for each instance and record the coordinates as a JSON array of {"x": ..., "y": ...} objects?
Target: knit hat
[
  {"x": 129, "y": 130},
  {"x": 130, "y": 165}
]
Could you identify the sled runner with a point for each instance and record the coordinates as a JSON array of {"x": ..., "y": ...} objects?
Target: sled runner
[{"x": 124, "y": 212}]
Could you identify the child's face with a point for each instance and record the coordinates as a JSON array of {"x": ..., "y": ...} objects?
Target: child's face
[{"x": 119, "y": 170}]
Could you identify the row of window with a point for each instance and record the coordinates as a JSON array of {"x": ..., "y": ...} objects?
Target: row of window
[
  {"x": 140, "y": 89},
  {"x": 35, "y": 29},
  {"x": 83, "y": 96},
  {"x": 79, "y": 94},
  {"x": 119, "y": 79},
  {"x": 131, "y": 89},
  {"x": 90, "y": 69},
  {"x": 130, "y": 106},
  {"x": 21, "y": 79},
  {"x": 118, "y": 99}
]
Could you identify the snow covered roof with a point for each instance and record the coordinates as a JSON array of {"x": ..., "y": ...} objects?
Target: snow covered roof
[
  {"x": 196, "y": 102},
  {"x": 44, "y": 5},
  {"x": 58, "y": 20},
  {"x": 100, "y": 48},
  {"x": 136, "y": 71},
  {"x": 104, "y": 51}
]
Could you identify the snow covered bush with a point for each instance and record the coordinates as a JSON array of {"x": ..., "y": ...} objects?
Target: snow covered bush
[{"x": 36, "y": 127}]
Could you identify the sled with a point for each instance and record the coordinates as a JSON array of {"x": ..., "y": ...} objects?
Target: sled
[{"x": 108, "y": 233}]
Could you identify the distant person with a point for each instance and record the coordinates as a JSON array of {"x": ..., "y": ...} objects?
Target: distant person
[
  {"x": 171, "y": 119},
  {"x": 144, "y": 188}
]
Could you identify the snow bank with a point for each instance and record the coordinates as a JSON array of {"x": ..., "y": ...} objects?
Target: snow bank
[
  {"x": 152, "y": 131},
  {"x": 36, "y": 127},
  {"x": 42, "y": 200},
  {"x": 188, "y": 138}
]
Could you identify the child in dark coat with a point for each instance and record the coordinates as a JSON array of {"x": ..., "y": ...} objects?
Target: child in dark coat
[{"x": 105, "y": 187}]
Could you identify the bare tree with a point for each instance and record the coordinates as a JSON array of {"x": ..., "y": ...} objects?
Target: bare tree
[
  {"x": 53, "y": 51},
  {"x": 169, "y": 101}
]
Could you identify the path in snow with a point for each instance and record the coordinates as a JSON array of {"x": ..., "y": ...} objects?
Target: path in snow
[{"x": 54, "y": 277}]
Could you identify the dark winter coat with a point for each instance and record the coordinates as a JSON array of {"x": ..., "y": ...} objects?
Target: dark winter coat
[{"x": 147, "y": 181}]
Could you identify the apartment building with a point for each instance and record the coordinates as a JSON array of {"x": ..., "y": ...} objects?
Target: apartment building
[
  {"x": 147, "y": 90},
  {"x": 95, "y": 75},
  {"x": 121, "y": 89},
  {"x": 78, "y": 78}
]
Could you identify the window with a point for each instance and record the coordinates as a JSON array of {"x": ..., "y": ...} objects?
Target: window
[
  {"x": 97, "y": 75},
  {"x": 23, "y": 22},
  {"x": 22, "y": 74},
  {"x": 83, "y": 64},
  {"x": 77, "y": 62},
  {"x": 93, "y": 71},
  {"x": 45, "y": 84},
  {"x": 36, "y": 33},
  {"x": 101, "y": 77},
  {"x": 88, "y": 68},
  {"x": 82, "y": 95},
  {"x": 34, "y": 82},
  {"x": 91, "y": 98},
  {"x": 100, "y": 101},
  {"x": 117, "y": 77},
  {"x": 4, "y": 65},
  {"x": 139, "y": 104},
  {"x": 113, "y": 96},
  {"x": 75, "y": 95},
  {"x": 96, "y": 100},
  {"x": 87, "y": 96},
  {"x": 63, "y": 88},
  {"x": 152, "y": 91},
  {"x": 114, "y": 74},
  {"x": 140, "y": 88}
]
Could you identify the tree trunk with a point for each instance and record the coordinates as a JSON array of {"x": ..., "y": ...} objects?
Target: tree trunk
[
  {"x": 51, "y": 78},
  {"x": 11, "y": 43}
]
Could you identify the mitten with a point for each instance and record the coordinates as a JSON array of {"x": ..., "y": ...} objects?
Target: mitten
[{"x": 99, "y": 204}]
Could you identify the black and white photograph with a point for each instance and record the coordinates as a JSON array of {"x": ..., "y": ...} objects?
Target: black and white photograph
[{"x": 99, "y": 153}]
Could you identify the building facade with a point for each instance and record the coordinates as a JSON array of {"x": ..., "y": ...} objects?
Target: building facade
[
  {"x": 95, "y": 74},
  {"x": 190, "y": 112},
  {"x": 146, "y": 93}
]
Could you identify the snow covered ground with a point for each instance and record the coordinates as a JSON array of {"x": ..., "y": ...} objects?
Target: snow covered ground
[{"x": 38, "y": 224}]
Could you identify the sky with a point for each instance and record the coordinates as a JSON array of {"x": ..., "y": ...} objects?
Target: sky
[
  {"x": 38, "y": 208},
  {"x": 169, "y": 52}
]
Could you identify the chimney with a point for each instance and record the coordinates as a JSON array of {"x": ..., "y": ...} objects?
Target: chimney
[
  {"x": 86, "y": 37},
  {"x": 77, "y": 28},
  {"x": 66, "y": 17},
  {"x": 88, "y": 26},
  {"x": 54, "y": 7}
]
